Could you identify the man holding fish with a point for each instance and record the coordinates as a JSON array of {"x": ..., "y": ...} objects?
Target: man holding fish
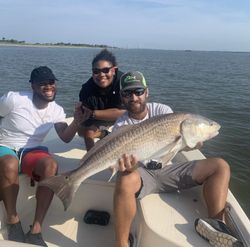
[
  {"x": 152, "y": 132},
  {"x": 132, "y": 183}
]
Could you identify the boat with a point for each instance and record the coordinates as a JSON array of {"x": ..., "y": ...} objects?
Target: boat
[{"x": 165, "y": 219}]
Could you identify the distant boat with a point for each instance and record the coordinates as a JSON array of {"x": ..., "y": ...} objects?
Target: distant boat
[
  {"x": 187, "y": 50},
  {"x": 161, "y": 220}
]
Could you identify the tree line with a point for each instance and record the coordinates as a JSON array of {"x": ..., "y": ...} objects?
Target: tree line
[{"x": 22, "y": 42}]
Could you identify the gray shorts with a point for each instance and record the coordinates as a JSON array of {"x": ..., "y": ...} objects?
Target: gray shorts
[{"x": 170, "y": 178}]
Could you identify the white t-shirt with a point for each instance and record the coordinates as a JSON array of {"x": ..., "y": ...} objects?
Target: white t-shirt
[
  {"x": 22, "y": 125},
  {"x": 154, "y": 109}
]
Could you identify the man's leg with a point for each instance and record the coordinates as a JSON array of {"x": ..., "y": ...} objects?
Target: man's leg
[
  {"x": 40, "y": 165},
  {"x": 214, "y": 174},
  {"x": 89, "y": 134},
  {"x": 46, "y": 167},
  {"x": 127, "y": 185},
  {"x": 9, "y": 187}
]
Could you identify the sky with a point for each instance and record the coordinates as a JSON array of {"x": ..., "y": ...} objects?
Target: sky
[{"x": 217, "y": 25}]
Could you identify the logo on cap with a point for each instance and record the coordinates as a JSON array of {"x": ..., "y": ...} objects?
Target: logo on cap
[{"x": 131, "y": 79}]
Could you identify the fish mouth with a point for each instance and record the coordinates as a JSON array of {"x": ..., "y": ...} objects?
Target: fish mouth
[{"x": 214, "y": 134}]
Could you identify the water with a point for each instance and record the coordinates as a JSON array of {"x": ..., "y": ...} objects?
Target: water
[{"x": 213, "y": 84}]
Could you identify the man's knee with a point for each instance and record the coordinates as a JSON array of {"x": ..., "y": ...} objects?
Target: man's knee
[
  {"x": 47, "y": 167},
  {"x": 9, "y": 165},
  {"x": 220, "y": 165},
  {"x": 209, "y": 167},
  {"x": 88, "y": 132}
]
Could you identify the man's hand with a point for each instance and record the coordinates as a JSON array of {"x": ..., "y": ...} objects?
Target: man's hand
[
  {"x": 198, "y": 146},
  {"x": 128, "y": 163},
  {"x": 87, "y": 113},
  {"x": 78, "y": 115}
]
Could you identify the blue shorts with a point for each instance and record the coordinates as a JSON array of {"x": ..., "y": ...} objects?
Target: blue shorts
[
  {"x": 27, "y": 157},
  {"x": 7, "y": 151},
  {"x": 21, "y": 152}
]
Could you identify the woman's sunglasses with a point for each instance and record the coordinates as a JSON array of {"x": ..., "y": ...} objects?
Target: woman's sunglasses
[
  {"x": 136, "y": 92},
  {"x": 105, "y": 70}
]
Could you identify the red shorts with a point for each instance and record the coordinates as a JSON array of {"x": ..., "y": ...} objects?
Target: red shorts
[{"x": 30, "y": 160}]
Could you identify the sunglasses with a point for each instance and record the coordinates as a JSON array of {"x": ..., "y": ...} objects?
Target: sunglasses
[
  {"x": 105, "y": 70},
  {"x": 136, "y": 92}
]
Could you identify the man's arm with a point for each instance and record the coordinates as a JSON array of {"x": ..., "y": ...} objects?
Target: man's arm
[
  {"x": 67, "y": 132},
  {"x": 6, "y": 104},
  {"x": 110, "y": 114}
]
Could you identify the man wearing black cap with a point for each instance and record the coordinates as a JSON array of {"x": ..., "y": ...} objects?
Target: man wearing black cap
[{"x": 26, "y": 118}]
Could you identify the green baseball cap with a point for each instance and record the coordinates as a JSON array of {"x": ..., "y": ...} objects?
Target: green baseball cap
[{"x": 131, "y": 80}]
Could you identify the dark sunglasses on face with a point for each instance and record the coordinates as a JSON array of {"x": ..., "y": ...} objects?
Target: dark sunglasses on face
[
  {"x": 103, "y": 70},
  {"x": 136, "y": 92}
]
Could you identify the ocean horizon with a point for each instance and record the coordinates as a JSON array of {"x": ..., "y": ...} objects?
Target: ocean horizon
[{"x": 44, "y": 45}]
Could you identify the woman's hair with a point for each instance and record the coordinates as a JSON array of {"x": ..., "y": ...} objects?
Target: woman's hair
[{"x": 106, "y": 56}]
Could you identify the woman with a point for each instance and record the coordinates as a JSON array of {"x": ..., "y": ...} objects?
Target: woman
[{"x": 100, "y": 97}]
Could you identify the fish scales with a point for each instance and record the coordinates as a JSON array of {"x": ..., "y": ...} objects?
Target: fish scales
[{"x": 153, "y": 132}]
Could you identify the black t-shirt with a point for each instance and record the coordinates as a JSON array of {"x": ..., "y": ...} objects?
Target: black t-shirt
[{"x": 97, "y": 98}]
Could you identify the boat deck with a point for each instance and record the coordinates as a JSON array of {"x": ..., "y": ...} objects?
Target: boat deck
[{"x": 162, "y": 219}]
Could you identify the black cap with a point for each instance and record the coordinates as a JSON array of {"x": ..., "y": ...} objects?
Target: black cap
[{"x": 42, "y": 73}]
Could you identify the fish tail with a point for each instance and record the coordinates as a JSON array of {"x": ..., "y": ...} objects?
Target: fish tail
[{"x": 62, "y": 187}]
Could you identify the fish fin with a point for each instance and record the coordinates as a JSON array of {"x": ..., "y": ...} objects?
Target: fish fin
[
  {"x": 62, "y": 187},
  {"x": 175, "y": 148},
  {"x": 166, "y": 158},
  {"x": 187, "y": 133},
  {"x": 114, "y": 171},
  {"x": 100, "y": 143},
  {"x": 167, "y": 153}
]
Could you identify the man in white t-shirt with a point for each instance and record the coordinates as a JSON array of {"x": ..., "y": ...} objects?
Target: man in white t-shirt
[
  {"x": 25, "y": 120},
  {"x": 132, "y": 184}
]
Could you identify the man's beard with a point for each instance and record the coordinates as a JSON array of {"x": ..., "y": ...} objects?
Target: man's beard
[{"x": 136, "y": 109}]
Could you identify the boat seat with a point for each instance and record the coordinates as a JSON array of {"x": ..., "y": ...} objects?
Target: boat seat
[{"x": 170, "y": 217}]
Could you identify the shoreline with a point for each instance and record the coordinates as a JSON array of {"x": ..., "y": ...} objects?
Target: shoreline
[
  {"x": 54, "y": 46},
  {"x": 106, "y": 47}
]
